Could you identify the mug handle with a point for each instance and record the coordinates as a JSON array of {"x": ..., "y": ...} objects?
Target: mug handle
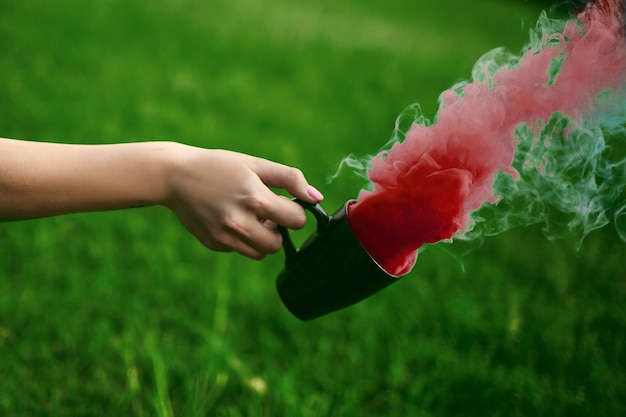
[{"x": 322, "y": 221}]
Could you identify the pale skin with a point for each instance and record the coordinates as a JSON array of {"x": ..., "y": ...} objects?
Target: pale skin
[{"x": 222, "y": 197}]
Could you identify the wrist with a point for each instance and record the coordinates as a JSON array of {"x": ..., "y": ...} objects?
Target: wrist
[{"x": 161, "y": 161}]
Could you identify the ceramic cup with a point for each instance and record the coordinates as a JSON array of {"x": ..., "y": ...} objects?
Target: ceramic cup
[{"x": 331, "y": 271}]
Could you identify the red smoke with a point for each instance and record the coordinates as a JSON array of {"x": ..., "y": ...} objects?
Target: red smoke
[{"x": 425, "y": 188}]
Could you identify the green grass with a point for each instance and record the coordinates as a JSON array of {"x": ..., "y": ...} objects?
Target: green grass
[{"x": 124, "y": 313}]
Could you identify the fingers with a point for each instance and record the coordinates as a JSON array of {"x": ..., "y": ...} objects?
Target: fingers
[
  {"x": 279, "y": 209},
  {"x": 288, "y": 178},
  {"x": 248, "y": 236}
]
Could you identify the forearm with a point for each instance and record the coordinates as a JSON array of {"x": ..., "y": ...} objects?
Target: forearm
[{"x": 40, "y": 179}]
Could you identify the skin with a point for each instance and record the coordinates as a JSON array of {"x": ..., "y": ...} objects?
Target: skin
[{"x": 221, "y": 197}]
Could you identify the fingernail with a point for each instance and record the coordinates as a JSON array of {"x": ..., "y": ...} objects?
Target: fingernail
[{"x": 314, "y": 193}]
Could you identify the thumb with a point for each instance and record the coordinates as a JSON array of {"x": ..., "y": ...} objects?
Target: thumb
[{"x": 289, "y": 178}]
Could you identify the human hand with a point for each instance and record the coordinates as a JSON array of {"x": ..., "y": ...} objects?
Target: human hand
[{"x": 223, "y": 199}]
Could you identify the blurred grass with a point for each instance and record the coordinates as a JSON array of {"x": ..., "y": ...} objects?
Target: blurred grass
[{"x": 124, "y": 313}]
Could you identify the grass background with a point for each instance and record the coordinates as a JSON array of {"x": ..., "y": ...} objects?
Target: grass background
[{"x": 124, "y": 313}]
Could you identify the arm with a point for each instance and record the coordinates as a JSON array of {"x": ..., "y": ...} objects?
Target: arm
[{"x": 221, "y": 197}]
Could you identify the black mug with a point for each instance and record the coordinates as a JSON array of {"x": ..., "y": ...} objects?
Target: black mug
[{"x": 331, "y": 271}]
